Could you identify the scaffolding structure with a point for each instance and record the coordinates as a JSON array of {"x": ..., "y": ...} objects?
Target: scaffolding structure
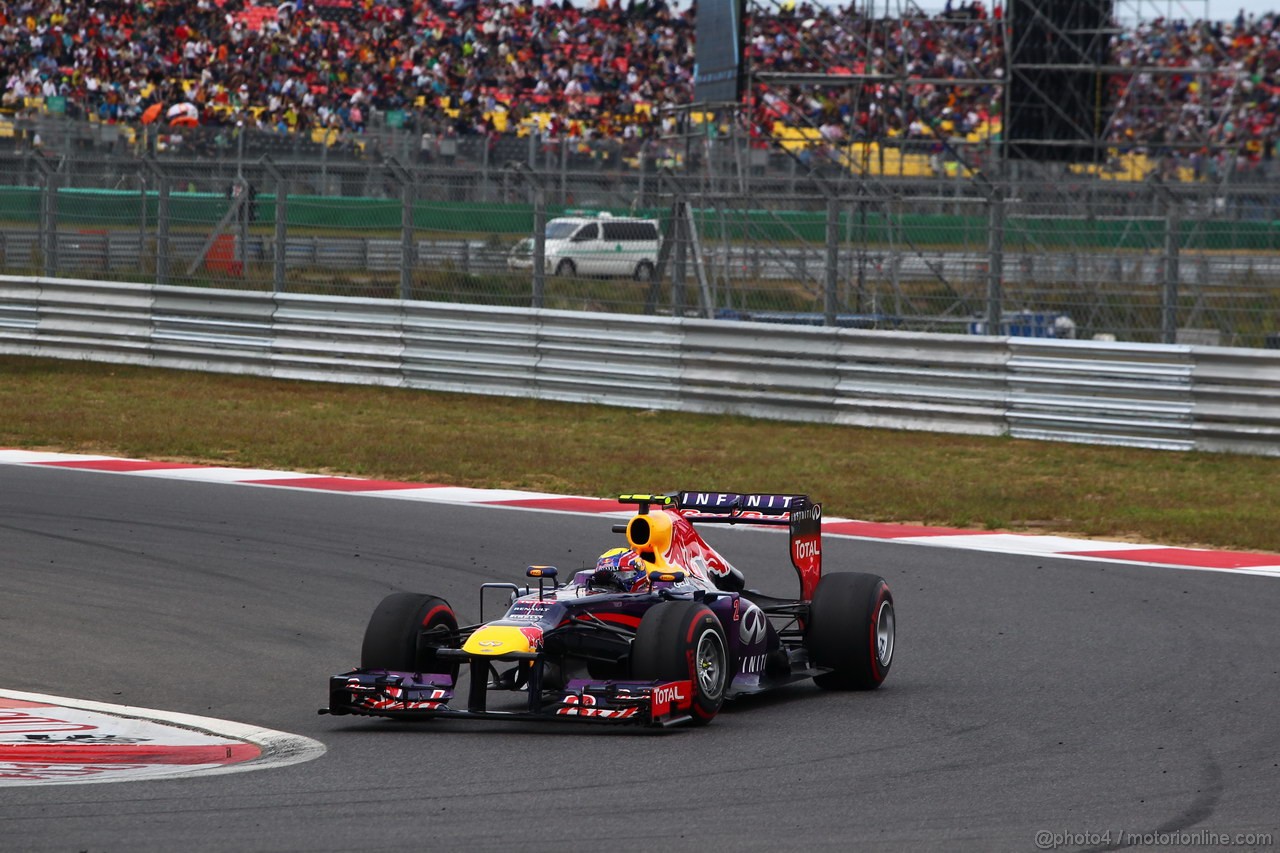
[
  {"x": 1090, "y": 84},
  {"x": 892, "y": 93}
]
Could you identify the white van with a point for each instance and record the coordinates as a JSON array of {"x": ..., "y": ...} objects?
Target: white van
[{"x": 603, "y": 245}]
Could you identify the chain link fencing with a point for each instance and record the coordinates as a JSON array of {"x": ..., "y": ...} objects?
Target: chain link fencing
[{"x": 903, "y": 236}]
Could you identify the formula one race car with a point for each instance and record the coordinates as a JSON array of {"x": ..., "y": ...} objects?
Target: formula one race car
[{"x": 658, "y": 633}]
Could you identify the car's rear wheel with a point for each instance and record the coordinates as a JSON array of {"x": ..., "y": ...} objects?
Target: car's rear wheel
[
  {"x": 644, "y": 271},
  {"x": 683, "y": 641},
  {"x": 566, "y": 269},
  {"x": 405, "y": 631},
  {"x": 851, "y": 631}
]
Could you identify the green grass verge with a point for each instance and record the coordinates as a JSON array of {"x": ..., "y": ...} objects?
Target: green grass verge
[{"x": 1217, "y": 500}]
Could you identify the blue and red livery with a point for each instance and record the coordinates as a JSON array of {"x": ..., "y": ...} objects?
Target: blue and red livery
[{"x": 658, "y": 633}]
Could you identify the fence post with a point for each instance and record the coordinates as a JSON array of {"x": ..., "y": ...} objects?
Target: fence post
[
  {"x": 564, "y": 170},
  {"x": 324, "y": 163},
  {"x": 639, "y": 203},
  {"x": 48, "y": 229},
  {"x": 832, "y": 265},
  {"x": 142, "y": 218},
  {"x": 406, "y": 239},
  {"x": 539, "y": 245},
  {"x": 995, "y": 260},
  {"x": 242, "y": 223},
  {"x": 407, "y": 259},
  {"x": 680, "y": 231},
  {"x": 1169, "y": 314},
  {"x": 51, "y": 228},
  {"x": 282, "y": 234},
  {"x": 281, "y": 226},
  {"x": 162, "y": 219},
  {"x": 538, "y": 191}
]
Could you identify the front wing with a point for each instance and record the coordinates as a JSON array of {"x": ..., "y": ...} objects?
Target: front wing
[{"x": 411, "y": 695}]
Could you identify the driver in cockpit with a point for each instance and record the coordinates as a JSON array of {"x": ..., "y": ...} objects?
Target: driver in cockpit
[{"x": 618, "y": 570}]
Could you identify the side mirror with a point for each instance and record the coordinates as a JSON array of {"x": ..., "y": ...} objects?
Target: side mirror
[
  {"x": 665, "y": 576},
  {"x": 543, "y": 574}
]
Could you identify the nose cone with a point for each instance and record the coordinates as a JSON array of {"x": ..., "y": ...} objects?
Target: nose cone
[{"x": 497, "y": 640}]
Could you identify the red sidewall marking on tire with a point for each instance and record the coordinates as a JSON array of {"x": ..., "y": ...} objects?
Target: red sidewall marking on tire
[{"x": 426, "y": 620}]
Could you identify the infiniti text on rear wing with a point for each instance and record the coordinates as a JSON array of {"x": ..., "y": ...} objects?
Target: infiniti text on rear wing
[{"x": 797, "y": 512}]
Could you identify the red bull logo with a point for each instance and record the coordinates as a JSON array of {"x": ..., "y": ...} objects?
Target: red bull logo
[{"x": 534, "y": 636}]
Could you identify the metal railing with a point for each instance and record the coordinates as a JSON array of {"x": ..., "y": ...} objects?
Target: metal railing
[{"x": 1156, "y": 396}]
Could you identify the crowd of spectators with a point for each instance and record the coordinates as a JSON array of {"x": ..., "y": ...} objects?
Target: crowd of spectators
[
  {"x": 334, "y": 63},
  {"x": 1228, "y": 93},
  {"x": 607, "y": 68}
]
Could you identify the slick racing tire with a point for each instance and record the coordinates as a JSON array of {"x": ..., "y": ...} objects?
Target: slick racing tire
[
  {"x": 851, "y": 631},
  {"x": 683, "y": 641},
  {"x": 405, "y": 631}
]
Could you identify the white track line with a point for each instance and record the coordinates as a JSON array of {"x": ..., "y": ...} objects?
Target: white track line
[
  {"x": 278, "y": 749},
  {"x": 1124, "y": 553}
]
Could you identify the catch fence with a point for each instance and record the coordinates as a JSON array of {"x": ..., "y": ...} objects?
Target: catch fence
[{"x": 765, "y": 235}]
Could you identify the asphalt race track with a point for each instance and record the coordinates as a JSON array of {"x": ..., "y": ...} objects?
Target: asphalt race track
[{"x": 1027, "y": 694}]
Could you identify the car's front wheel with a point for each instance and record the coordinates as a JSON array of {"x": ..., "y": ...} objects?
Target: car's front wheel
[
  {"x": 851, "y": 631},
  {"x": 566, "y": 269},
  {"x": 683, "y": 641},
  {"x": 405, "y": 631}
]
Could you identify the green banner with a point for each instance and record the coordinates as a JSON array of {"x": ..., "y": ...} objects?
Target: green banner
[{"x": 355, "y": 216}]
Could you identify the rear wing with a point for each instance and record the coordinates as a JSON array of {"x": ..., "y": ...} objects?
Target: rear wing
[{"x": 800, "y": 515}]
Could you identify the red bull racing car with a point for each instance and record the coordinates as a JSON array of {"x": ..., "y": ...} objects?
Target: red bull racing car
[{"x": 658, "y": 633}]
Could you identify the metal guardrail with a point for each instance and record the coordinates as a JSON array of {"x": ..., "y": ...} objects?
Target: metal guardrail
[
  {"x": 1106, "y": 393},
  {"x": 1156, "y": 396}
]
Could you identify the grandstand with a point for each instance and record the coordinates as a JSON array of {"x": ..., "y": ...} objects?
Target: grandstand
[{"x": 921, "y": 95}]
